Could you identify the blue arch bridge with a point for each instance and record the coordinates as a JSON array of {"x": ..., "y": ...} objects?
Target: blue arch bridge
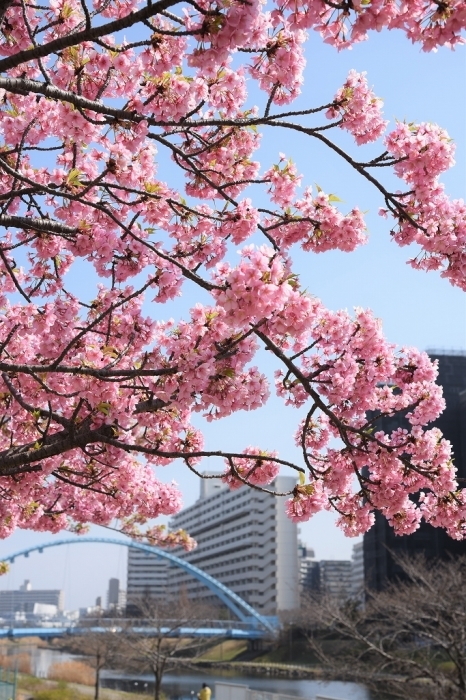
[{"x": 249, "y": 624}]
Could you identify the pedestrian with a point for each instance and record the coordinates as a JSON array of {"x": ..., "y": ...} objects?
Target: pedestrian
[{"x": 205, "y": 692}]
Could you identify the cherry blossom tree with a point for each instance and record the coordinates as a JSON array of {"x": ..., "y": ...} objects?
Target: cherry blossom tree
[{"x": 94, "y": 392}]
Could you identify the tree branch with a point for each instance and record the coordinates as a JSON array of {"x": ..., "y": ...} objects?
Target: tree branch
[{"x": 85, "y": 35}]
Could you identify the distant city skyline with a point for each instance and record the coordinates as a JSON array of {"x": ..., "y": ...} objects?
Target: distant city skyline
[{"x": 293, "y": 570}]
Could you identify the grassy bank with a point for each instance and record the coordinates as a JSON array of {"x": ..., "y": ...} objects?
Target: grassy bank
[
  {"x": 30, "y": 687},
  {"x": 294, "y": 652}
]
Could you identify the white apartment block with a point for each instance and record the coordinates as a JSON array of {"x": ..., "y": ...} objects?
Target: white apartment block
[
  {"x": 244, "y": 540},
  {"x": 357, "y": 572}
]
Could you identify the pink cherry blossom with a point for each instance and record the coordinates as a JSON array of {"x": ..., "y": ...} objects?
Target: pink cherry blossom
[{"x": 103, "y": 106}]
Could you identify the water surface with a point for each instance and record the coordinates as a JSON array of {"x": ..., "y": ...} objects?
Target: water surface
[{"x": 185, "y": 686}]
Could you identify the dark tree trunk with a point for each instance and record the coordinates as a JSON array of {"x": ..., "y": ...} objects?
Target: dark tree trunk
[
  {"x": 157, "y": 685},
  {"x": 97, "y": 679}
]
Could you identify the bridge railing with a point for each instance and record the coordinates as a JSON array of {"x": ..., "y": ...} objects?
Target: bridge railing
[
  {"x": 126, "y": 623},
  {"x": 166, "y": 622},
  {"x": 48, "y": 631}
]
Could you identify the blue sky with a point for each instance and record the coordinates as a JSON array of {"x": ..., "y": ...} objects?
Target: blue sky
[{"x": 416, "y": 308}]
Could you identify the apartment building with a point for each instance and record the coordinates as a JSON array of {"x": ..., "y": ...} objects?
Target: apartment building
[
  {"x": 147, "y": 575},
  {"x": 357, "y": 572},
  {"x": 335, "y": 578},
  {"x": 244, "y": 540},
  {"x": 309, "y": 570}
]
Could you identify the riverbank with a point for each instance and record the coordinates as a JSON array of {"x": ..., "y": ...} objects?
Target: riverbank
[
  {"x": 32, "y": 688},
  {"x": 261, "y": 668},
  {"x": 280, "y": 660},
  {"x": 182, "y": 686},
  {"x": 57, "y": 675}
]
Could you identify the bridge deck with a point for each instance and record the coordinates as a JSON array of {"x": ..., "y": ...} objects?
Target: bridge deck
[{"x": 48, "y": 632}]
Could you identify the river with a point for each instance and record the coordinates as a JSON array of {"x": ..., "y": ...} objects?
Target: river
[{"x": 184, "y": 686}]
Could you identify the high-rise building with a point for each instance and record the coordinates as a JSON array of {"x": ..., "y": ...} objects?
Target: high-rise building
[
  {"x": 309, "y": 570},
  {"x": 147, "y": 575},
  {"x": 26, "y": 598},
  {"x": 116, "y": 597},
  {"x": 380, "y": 543},
  {"x": 244, "y": 539},
  {"x": 335, "y": 578},
  {"x": 357, "y": 572},
  {"x": 462, "y": 437},
  {"x": 113, "y": 592}
]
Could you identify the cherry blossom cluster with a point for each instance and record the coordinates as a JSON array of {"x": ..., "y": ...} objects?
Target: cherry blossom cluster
[
  {"x": 156, "y": 535},
  {"x": 284, "y": 180},
  {"x": 313, "y": 221},
  {"x": 251, "y": 470},
  {"x": 131, "y": 487},
  {"x": 228, "y": 160},
  {"x": 426, "y": 21},
  {"x": 370, "y": 473},
  {"x": 279, "y": 68},
  {"x": 430, "y": 218},
  {"x": 359, "y": 109}
]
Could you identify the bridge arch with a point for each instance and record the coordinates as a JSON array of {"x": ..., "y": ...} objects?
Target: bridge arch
[{"x": 238, "y": 606}]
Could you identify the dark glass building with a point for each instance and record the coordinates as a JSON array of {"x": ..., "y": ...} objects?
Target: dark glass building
[{"x": 380, "y": 541}]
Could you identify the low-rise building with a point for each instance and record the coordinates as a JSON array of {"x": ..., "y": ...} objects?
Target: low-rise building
[{"x": 26, "y": 598}]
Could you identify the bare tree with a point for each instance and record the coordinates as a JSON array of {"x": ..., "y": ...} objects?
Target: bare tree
[
  {"x": 102, "y": 649},
  {"x": 409, "y": 639},
  {"x": 164, "y": 642}
]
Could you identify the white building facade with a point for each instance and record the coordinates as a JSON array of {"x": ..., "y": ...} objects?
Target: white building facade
[
  {"x": 147, "y": 575},
  {"x": 244, "y": 540},
  {"x": 357, "y": 572}
]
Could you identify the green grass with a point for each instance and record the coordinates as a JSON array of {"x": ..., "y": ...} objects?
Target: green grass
[
  {"x": 61, "y": 692},
  {"x": 225, "y": 651}
]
